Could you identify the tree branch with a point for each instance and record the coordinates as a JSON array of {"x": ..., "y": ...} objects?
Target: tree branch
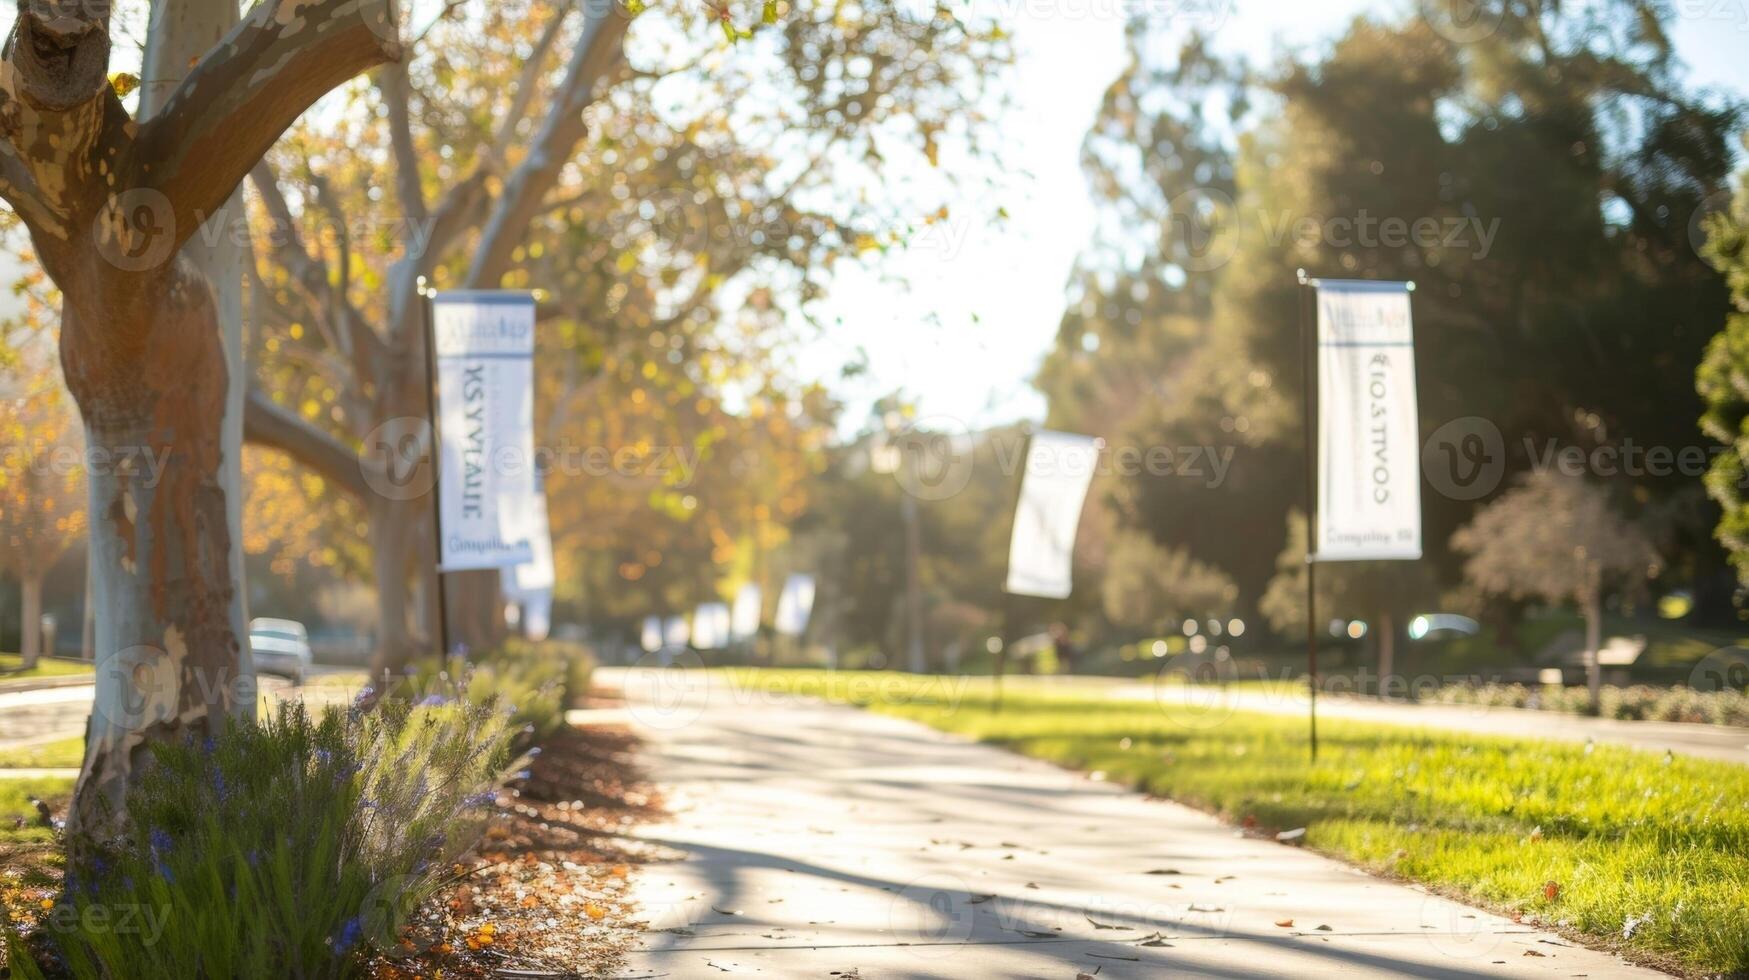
[
  {"x": 18, "y": 186},
  {"x": 360, "y": 343},
  {"x": 397, "y": 91},
  {"x": 248, "y": 89},
  {"x": 268, "y": 424},
  {"x": 600, "y": 49}
]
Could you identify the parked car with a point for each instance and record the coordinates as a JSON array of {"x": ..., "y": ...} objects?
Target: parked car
[{"x": 281, "y": 647}]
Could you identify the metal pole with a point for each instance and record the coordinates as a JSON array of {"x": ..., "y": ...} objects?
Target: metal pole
[
  {"x": 1309, "y": 355},
  {"x": 1009, "y": 620},
  {"x": 436, "y": 470},
  {"x": 913, "y": 583}
]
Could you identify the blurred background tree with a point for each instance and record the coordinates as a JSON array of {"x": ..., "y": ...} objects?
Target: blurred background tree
[{"x": 1558, "y": 539}]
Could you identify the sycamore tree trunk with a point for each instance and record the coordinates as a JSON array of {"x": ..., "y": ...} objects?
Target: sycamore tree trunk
[
  {"x": 30, "y": 636},
  {"x": 180, "y": 31},
  {"x": 109, "y": 202}
]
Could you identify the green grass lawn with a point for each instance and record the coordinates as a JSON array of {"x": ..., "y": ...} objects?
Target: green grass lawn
[
  {"x": 67, "y": 753},
  {"x": 1646, "y": 854},
  {"x": 10, "y": 663},
  {"x": 15, "y": 796}
]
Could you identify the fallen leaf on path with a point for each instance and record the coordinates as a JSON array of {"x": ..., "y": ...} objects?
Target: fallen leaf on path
[
  {"x": 1551, "y": 890},
  {"x": 979, "y": 899},
  {"x": 1292, "y": 836},
  {"x": 1163, "y": 871},
  {"x": 1285, "y": 923},
  {"x": 723, "y": 911},
  {"x": 1322, "y": 929},
  {"x": 1532, "y": 952},
  {"x": 1112, "y": 956},
  {"x": 1103, "y": 925}
]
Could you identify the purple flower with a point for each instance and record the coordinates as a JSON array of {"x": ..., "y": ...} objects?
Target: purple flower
[
  {"x": 433, "y": 701},
  {"x": 348, "y": 935}
]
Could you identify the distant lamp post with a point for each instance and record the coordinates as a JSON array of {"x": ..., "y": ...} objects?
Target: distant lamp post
[{"x": 888, "y": 458}]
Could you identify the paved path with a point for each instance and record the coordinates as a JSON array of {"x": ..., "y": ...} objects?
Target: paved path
[
  {"x": 811, "y": 840},
  {"x": 1708, "y": 741}
]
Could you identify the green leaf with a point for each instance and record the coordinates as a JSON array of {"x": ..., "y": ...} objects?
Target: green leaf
[{"x": 770, "y": 16}]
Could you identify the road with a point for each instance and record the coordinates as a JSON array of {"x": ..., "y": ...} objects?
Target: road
[
  {"x": 808, "y": 840},
  {"x": 48, "y": 714},
  {"x": 1706, "y": 741}
]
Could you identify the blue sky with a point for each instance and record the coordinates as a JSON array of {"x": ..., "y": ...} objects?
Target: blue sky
[{"x": 983, "y": 302}]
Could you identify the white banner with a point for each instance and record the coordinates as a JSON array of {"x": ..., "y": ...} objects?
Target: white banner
[
  {"x": 749, "y": 607},
  {"x": 674, "y": 632},
  {"x": 710, "y": 626},
  {"x": 794, "y": 605},
  {"x": 1059, "y": 468},
  {"x": 484, "y": 348},
  {"x": 1369, "y": 458},
  {"x": 537, "y": 575}
]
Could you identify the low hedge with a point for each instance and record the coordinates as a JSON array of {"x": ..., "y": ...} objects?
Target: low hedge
[{"x": 1639, "y": 702}]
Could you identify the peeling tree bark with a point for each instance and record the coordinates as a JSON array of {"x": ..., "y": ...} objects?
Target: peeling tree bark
[
  {"x": 110, "y": 202},
  {"x": 179, "y": 33}
]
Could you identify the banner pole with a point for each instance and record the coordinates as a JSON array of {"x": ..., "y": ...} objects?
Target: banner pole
[
  {"x": 1309, "y": 352},
  {"x": 1008, "y": 598},
  {"x": 436, "y": 471}
]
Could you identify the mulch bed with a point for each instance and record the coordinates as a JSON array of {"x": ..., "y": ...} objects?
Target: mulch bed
[{"x": 544, "y": 894}]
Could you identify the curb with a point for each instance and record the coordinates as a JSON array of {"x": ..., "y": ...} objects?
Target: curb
[{"x": 48, "y": 683}]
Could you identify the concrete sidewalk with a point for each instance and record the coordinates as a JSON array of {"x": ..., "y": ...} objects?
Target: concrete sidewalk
[{"x": 810, "y": 840}]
